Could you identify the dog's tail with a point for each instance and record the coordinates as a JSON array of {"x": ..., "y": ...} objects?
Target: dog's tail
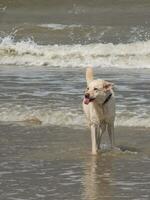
[{"x": 89, "y": 75}]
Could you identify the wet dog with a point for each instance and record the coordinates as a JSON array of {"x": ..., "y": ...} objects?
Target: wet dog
[{"x": 99, "y": 108}]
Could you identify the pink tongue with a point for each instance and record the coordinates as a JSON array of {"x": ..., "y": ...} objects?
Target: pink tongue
[{"x": 86, "y": 100}]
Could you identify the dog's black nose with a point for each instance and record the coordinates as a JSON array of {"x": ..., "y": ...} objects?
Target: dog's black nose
[{"x": 87, "y": 95}]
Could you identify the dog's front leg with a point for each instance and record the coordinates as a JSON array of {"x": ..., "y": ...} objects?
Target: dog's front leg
[{"x": 93, "y": 138}]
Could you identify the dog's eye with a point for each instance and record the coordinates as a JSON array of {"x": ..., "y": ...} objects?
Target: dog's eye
[
  {"x": 87, "y": 88},
  {"x": 96, "y": 89}
]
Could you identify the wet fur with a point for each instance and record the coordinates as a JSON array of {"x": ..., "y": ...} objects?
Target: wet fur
[{"x": 100, "y": 117}]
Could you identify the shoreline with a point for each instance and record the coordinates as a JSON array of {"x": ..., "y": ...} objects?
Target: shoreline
[{"x": 29, "y": 141}]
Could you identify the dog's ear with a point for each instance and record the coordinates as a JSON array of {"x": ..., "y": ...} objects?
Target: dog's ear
[
  {"x": 107, "y": 85},
  {"x": 89, "y": 75}
]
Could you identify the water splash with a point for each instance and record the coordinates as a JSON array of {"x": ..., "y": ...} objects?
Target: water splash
[{"x": 29, "y": 53}]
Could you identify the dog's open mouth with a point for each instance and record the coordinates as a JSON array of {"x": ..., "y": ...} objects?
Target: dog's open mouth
[{"x": 88, "y": 100}]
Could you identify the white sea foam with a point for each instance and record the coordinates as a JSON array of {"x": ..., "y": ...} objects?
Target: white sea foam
[
  {"x": 63, "y": 117},
  {"x": 46, "y": 115},
  {"x": 59, "y": 26},
  {"x": 2, "y": 8},
  {"x": 134, "y": 121},
  {"x": 28, "y": 53}
]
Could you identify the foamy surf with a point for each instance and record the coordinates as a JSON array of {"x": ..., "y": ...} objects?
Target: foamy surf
[
  {"x": 29, "y": 53},
  {"x": 59, "y": 26},
  {"x": 62, "y": 117}
]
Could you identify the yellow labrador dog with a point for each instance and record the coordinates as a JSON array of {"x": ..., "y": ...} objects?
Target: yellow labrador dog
[{"x": 99, "y": 108}]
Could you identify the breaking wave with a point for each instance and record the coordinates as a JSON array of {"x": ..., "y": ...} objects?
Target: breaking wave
[
  {"x": 62, "y": 117},
  {"x": 29, "y": 53},
  {"x": 59, "y": 26}
]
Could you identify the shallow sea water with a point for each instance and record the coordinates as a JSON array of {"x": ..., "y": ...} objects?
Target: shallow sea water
[
  {"x": 45, "y": 147},
  {"x": 56, "y": 163},
  {"x": 54, "y": 95}
]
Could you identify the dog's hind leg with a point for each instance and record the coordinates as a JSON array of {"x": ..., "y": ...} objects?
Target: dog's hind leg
[
  {"x": 111, "y": 134},
  {"x": 94, "y": 139},
  {"x": 102, "y": 129},
  {"x": 98, "y": 136}
]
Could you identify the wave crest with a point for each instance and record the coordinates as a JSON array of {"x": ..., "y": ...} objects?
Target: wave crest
[
  {"x": 28, "y": 53},
  {"x": 62, "y": 117}
]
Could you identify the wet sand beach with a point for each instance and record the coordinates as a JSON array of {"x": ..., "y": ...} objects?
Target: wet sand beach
[{"x": 54, "y": 162}]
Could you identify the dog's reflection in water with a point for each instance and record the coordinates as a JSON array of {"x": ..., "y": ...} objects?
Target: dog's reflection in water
[{"x": 98, "y": 178}]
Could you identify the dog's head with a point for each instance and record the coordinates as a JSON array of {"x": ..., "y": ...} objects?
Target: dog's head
[{"x": 96, "y": 90}]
